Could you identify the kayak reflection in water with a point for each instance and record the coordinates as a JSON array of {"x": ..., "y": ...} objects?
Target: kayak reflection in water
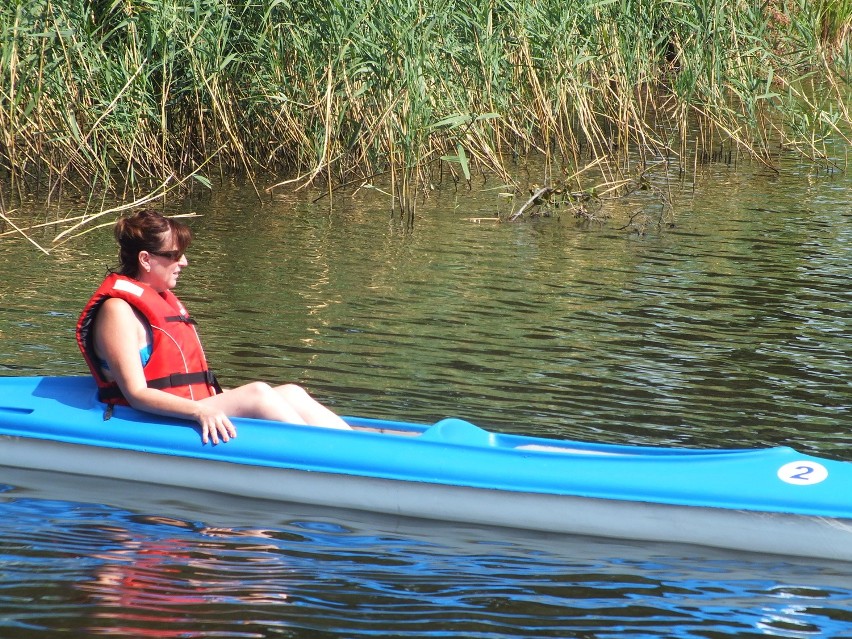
[{"x": 143, "y": 350}]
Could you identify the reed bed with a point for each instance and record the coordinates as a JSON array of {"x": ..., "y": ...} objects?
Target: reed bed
[{"x": 130, "y": 96}]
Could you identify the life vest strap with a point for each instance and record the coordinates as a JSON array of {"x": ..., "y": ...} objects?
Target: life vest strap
[
  {"x": 175, "y": 379},
  {"x": 183, "y": 379},
  {"x": 181, "y": 318}
]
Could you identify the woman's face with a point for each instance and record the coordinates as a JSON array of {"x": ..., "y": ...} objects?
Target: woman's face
[{"x": 160, "y": 269}]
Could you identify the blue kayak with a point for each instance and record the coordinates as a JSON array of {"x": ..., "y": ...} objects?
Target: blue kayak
[{"x": 772, "y": 500}]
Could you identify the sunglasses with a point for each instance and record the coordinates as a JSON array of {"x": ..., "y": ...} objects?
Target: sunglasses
[{"x": 172, "y": 256}]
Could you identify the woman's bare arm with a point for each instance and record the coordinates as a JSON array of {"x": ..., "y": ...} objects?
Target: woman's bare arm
[{"x": 116, "y": 341}]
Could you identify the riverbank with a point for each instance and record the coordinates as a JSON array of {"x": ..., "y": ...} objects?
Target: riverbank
[{"x": 139, "y": 97}]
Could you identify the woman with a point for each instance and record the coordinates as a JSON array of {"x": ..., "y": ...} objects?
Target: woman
[{"x": 143, "y": 350}]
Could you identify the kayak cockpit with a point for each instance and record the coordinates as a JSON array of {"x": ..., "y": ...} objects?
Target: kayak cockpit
[{"x": 459, "y": 432}]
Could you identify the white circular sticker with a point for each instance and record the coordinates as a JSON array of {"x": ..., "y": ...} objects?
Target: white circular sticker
[{"x": 803, "y": 473}]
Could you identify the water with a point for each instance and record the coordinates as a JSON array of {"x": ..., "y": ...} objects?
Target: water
[
  {"x": 240, "y": 568},
  {"x": 729, "y": 329}
]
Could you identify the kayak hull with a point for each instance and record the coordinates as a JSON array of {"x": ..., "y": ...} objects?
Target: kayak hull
[
  {"x": 455, "y": 472},
  {"x": 776, "y": 533}
]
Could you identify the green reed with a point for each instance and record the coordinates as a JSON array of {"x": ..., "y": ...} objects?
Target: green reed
[{"x": 122, "y": 96}]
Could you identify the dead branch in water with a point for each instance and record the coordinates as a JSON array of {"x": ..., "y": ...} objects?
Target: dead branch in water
[{"x": 23, "y": 232}]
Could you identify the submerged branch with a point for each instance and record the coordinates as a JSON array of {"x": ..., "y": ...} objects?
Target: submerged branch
[{"x": 23, "y": 232}]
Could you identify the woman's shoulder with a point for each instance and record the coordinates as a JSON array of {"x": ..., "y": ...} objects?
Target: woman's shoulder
[
  {"x": 116, "y": 305},
  {"x": 115, "y": 309}
]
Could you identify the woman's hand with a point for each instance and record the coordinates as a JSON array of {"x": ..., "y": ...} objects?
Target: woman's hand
[{"x": 214, "y": 424}]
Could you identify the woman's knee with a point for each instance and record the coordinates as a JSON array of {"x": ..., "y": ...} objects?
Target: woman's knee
[
  {"x": 293, "y": 393},
  {"x": 261, "y": 394},
  {"x": 268, "y": 403},
  {"x": 257, "y": 390}
]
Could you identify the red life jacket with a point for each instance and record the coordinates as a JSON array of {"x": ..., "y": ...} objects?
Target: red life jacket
[{"x": 177, "y": 363}]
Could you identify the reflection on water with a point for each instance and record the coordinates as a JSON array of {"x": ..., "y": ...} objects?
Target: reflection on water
[
  {"x": 730, "y": 329},
  {"x": 140, "y": 582},
  {"x": 258, "y": 570}
]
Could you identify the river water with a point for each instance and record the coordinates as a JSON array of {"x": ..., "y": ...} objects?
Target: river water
[{"x": 726, "y": 325}]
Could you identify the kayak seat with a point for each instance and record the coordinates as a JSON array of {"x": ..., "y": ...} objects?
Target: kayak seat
[{"x": 458, "y": 431}]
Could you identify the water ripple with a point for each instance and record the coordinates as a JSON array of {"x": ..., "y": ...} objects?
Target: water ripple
[
  {"x": 731, "y": 329},
  {"x": 105, "y": 571}
]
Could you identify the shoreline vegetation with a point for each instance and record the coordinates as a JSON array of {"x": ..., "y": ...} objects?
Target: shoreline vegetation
[{"x": 135, "y": 100}]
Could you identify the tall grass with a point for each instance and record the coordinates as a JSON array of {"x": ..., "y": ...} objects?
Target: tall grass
[{"x": 123, "y": 96}]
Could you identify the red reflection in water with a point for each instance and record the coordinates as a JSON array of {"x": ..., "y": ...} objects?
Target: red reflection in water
[{"x": 165, "y": 587}]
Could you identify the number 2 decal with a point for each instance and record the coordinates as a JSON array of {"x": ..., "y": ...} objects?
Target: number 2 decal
[{"x": 803, "y": 473}]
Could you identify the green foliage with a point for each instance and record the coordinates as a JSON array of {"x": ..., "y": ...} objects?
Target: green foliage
[{"x": 126, "y": 93}]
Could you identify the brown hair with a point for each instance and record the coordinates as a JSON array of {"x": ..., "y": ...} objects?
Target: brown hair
[{"x": 146, "y": 230}]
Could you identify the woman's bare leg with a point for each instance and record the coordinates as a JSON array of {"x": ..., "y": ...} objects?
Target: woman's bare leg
[
  {"x": 288, "y": 403},
  {"x": 309, "y": 409}
]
